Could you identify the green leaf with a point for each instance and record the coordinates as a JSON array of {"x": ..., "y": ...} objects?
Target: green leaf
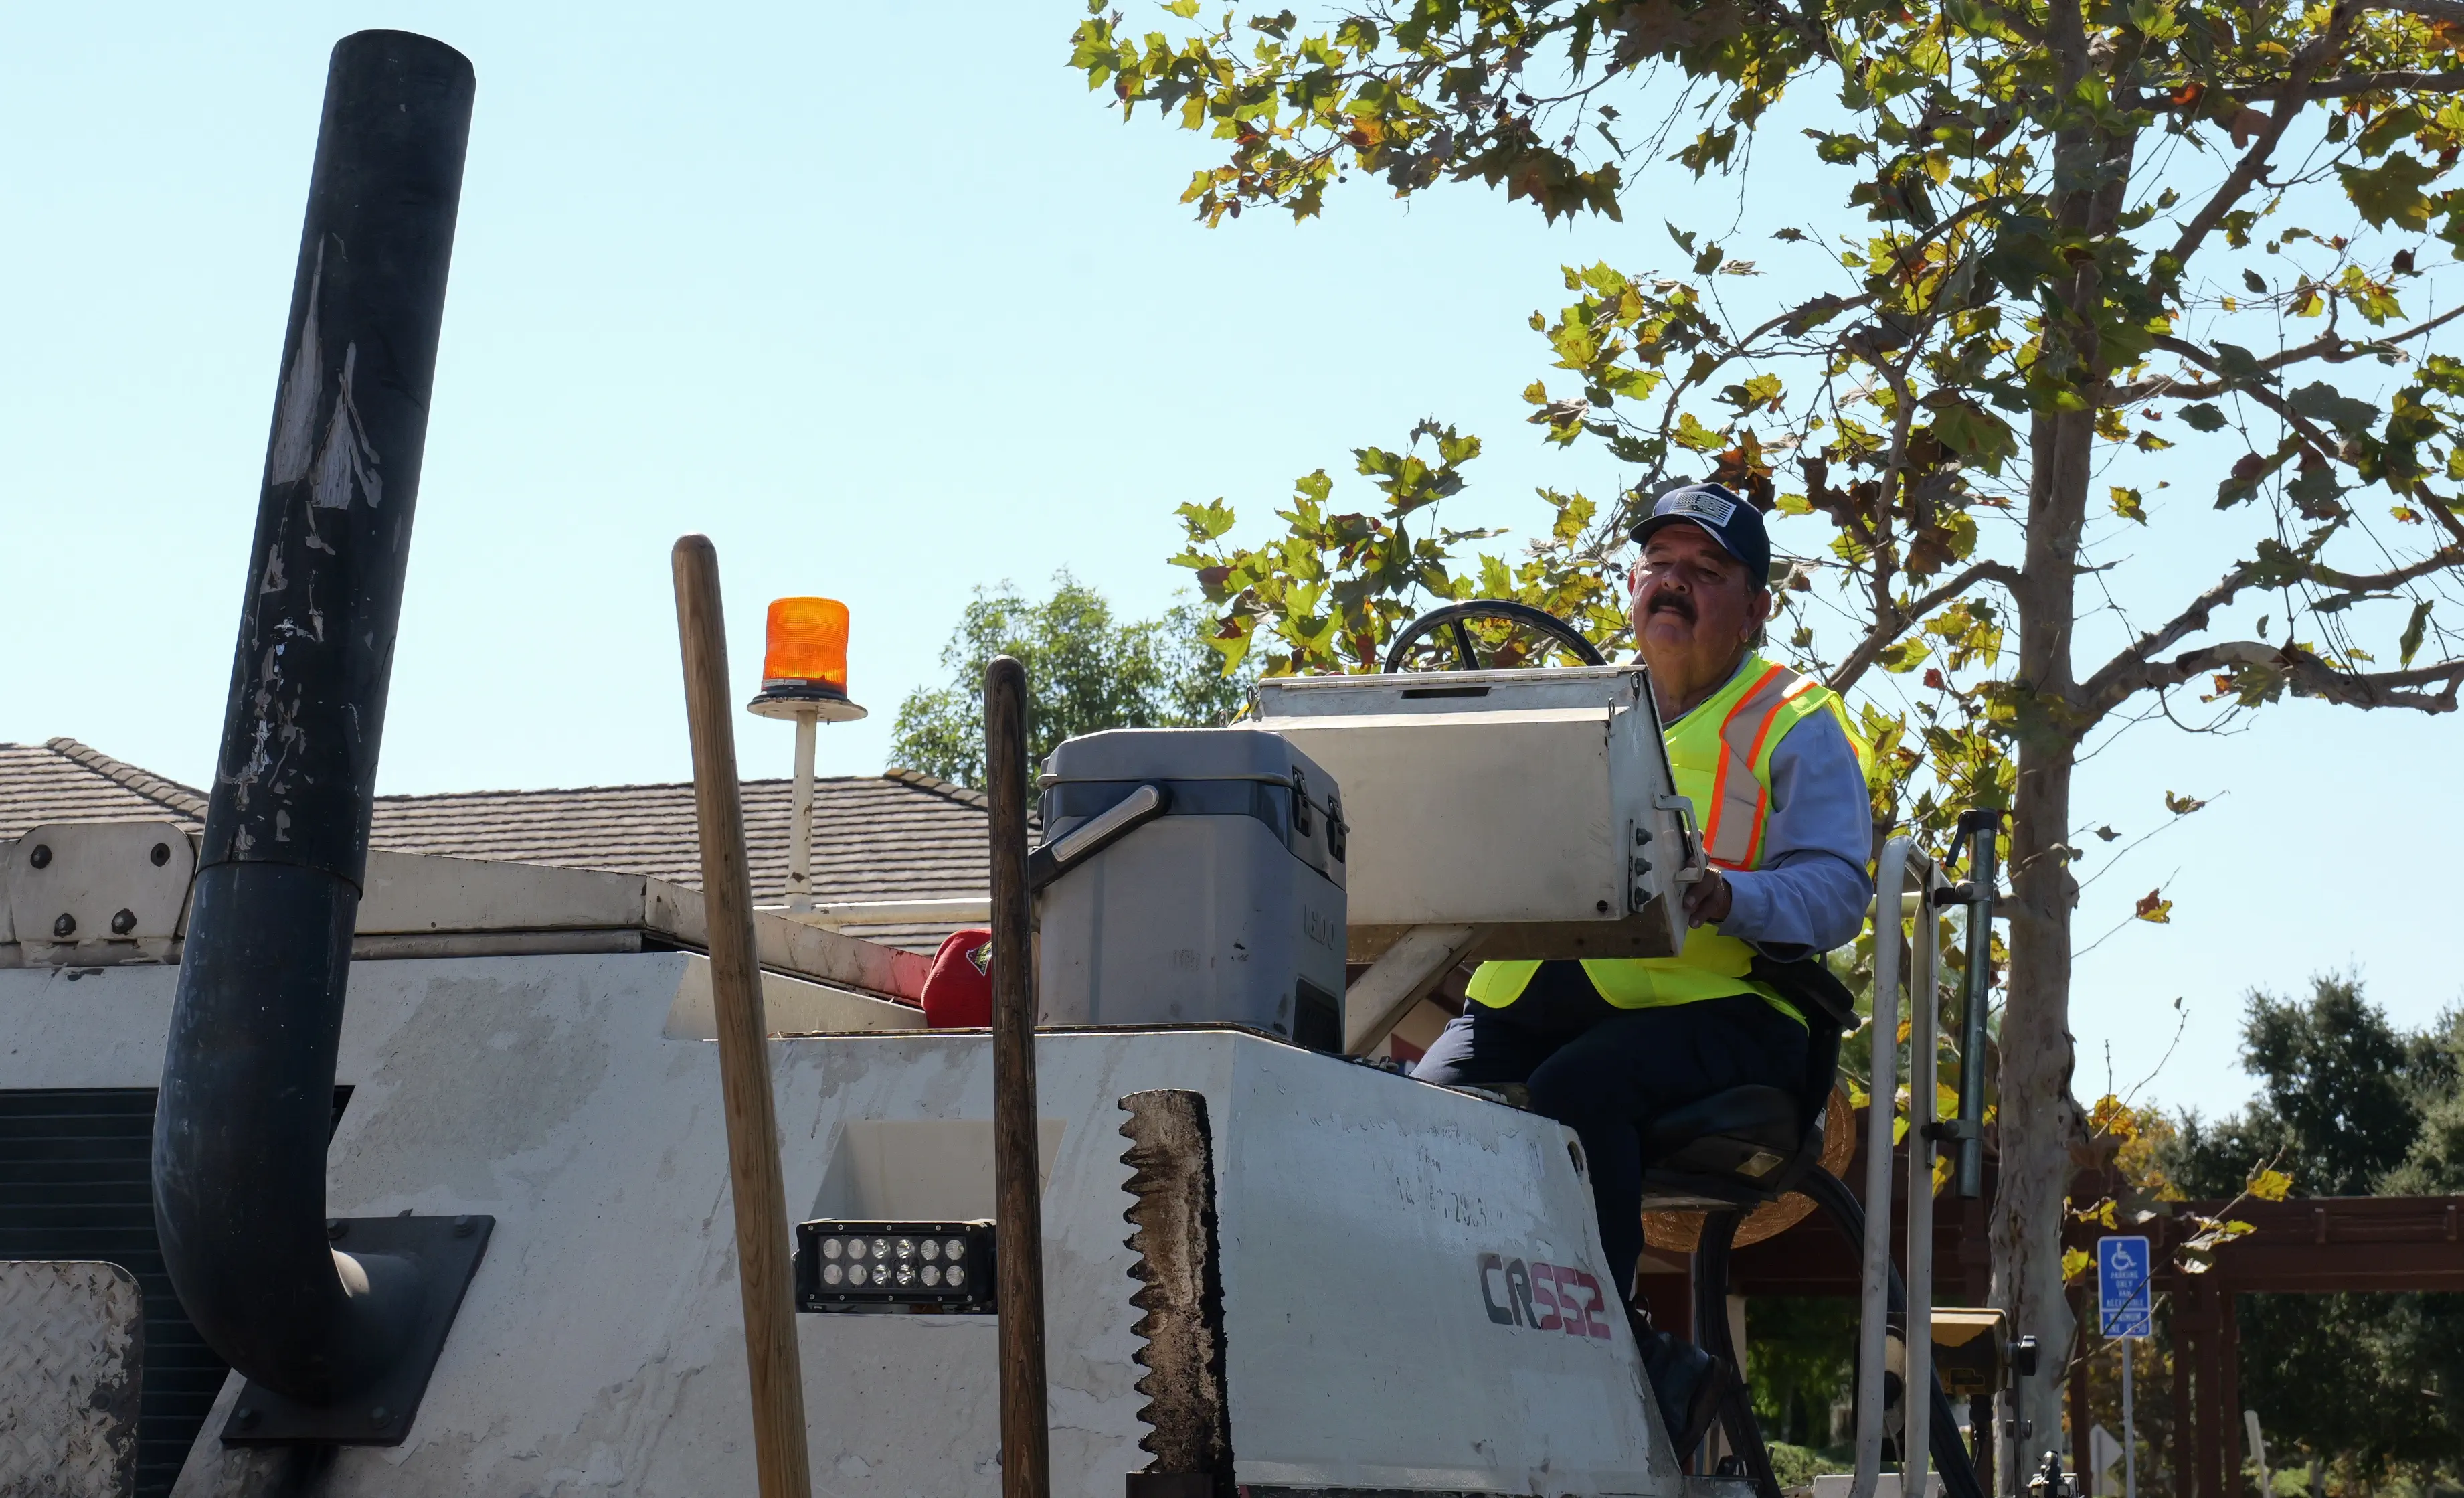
[
  {"x": 1694, "y": 436},
  {"x": 1206, "y": 523},
  {"x": 2127, "y": 504},
  {"x": 2413, "y": 630},
  {"x": 2391, "y": 192},
  {"x": 1906, "y": 656},
  {"x": 2321, "y": 401},
  {"x": 2256, "y": 282},
  {"x": 2203, "y": 417}
]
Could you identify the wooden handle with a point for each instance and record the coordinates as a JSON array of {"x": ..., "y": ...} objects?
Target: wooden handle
[
  {"x": 1018, "y": 1177},
  {"x": 779, "y": 1450}
]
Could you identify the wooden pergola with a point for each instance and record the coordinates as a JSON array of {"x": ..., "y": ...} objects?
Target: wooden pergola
[
  {"x": 2306, "y": 1246},
  {"x": 2311, "y": 1246}
]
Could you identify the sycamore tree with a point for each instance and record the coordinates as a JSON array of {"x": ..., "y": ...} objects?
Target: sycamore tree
[{"x": 2085, "y": 288}]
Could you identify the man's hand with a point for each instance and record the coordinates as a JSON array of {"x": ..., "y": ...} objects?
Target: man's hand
[{"x": 1707, "y": 901}]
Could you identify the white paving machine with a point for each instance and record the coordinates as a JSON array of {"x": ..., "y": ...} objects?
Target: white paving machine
[{"x": 484, "y": 1178}]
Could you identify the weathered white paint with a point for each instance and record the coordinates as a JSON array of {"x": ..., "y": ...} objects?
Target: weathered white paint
[
  {"x": 91, "y": 872},
  {"x": 423, "y": 892},
  {"x": 600, "y": 1348},
  {"x": 413, "y": 905},
  {"x": 789, "y": 1007}
]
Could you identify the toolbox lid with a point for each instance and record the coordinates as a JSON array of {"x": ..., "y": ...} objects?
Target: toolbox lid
[{"x": 1185, "y": 754}]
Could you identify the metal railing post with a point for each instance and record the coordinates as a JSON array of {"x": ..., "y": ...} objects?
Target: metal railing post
[
  {"x": 1899, "y": 859},
  {"x": 1923, "y": 1065}
]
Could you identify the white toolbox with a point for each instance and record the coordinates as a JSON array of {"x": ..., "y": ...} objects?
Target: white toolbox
[{"x": 1536, "y": 804}]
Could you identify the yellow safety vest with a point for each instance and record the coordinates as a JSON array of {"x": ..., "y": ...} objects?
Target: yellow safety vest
[{"x": 1720, "y": 755}]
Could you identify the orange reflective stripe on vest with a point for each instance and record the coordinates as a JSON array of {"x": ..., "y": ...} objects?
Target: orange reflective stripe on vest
[{"x": 1741, "y": 792}]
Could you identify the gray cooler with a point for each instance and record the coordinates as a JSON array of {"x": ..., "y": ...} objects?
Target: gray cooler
[{"x": 1191, "y": 877}]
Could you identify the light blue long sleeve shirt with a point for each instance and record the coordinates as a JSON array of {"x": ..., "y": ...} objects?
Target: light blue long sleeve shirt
[{"x": 1811, "y": 893}]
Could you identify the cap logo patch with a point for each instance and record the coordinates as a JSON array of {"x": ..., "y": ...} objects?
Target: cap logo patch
[{"x": 1708, "y": 506}]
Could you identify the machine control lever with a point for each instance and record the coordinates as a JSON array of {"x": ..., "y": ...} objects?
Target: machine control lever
[{"x": 1696, "y": 861}]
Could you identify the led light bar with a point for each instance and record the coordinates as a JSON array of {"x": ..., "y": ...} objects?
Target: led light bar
[{"x": 843, "y": 1266}]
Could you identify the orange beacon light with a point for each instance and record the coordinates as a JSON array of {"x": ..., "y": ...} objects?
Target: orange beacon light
[
  {"x": 806, "y": 660},
  {"x": 804, "y": 678}
]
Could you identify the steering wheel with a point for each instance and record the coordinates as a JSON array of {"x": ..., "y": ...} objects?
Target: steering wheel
[{"x": 1452, "y": 617}]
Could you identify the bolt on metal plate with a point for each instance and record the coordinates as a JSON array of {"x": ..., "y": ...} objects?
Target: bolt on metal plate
[{"x": 449, "y": 1250}]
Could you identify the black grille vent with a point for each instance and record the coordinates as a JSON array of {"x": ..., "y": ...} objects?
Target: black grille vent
[{"x": 76, "y": 1182}]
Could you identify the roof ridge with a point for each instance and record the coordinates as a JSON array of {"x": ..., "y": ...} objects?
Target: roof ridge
[
  {"x": 575, "y": 790},
  {"x": 187, "y": 800},
  {"x": 962, "y": 794}
]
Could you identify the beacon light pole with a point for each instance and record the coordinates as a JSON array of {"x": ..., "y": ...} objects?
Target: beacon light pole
[{"x": 804, "y": 678}]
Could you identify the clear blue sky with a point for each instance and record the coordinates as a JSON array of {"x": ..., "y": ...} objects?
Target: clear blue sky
[{"x": 886, "y": 304}]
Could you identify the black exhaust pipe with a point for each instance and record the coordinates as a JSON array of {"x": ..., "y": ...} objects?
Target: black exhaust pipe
[{"x": 337, "y": 1324}]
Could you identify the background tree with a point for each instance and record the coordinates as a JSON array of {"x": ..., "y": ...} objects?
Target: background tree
[
  {"x": 2373, "y": 1384},
  {"x": 1801, "y": 1366},
  {"x": 1084, "y": 672},
  {"x": 2088, "y": 224}
]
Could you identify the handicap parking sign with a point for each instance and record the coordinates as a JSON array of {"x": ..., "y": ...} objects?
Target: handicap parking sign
[{"x": 2124, "y": 1299}]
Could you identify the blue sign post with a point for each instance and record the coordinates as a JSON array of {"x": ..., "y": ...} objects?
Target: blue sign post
[{"x": 2125, "y": 1309}]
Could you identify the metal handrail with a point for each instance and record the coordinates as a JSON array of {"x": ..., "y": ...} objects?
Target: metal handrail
[{"x": 1901, "y": 858}]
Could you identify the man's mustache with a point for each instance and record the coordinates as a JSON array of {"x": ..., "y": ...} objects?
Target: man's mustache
[{"x": 1677, "y": 604}]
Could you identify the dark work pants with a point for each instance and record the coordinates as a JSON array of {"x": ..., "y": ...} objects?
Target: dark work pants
[{"x": 1608, "y": 1072}]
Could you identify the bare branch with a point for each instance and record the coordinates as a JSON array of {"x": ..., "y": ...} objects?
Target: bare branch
[
  {"x": 2397, "y": 81},
  {"x": 2447, "y": 10},
  {"x": 2289, "y": 95},
  {"x": 2309, "y": 675},
  {"x": 2114, "y": 681},
  {"x": 2309, "y": 432},
  {"x": 2315, "y": 677},
  {"x": 1827, "y": 304},
  {"x": 2261, "y": 394},
  {"x": 2333, "y": 347},
  {"x": 2101, "y": 692},
  {"x": 1897, "y": 620}
]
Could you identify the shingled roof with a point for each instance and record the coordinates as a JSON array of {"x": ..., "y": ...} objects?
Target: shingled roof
[{"x": 899, "y": 836}]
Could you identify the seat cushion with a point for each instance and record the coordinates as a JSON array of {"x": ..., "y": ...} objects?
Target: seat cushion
[
  {"x": 1747, "y": 1131},
  {"x": 1765, "y": 1116}
]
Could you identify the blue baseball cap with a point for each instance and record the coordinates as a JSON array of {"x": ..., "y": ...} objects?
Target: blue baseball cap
[{"x": 1736, "y": 525}]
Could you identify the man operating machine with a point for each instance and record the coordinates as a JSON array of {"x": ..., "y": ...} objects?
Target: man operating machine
[{"x": 1777, "y": 783}]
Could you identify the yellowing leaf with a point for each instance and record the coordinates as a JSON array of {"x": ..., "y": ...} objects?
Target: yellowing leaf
[
  {"x": 2154, "y": 909},
  {"x": 2270, "y": 1185},
  {"x": 2075, "y": 1262},
  {"x": 2112, "y": 1116}
]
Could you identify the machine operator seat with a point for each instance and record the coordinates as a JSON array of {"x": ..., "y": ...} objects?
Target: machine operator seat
[
  {"x": 1747, "y": 1131},
  {"x": 1748, "y": 1145}
]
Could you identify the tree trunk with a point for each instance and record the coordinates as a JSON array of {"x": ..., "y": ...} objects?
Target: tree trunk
[{"x": 2037, "y": 1118}]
